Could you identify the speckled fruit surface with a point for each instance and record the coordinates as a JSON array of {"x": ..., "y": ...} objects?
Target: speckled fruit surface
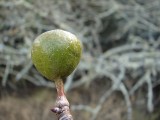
[{"x": 56, "y": 53}]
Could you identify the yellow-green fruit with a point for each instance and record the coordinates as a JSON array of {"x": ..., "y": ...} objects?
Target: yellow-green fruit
[{"x": 56, "y": 53}]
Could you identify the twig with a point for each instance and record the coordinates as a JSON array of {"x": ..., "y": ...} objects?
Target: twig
[
  {"x": 5, "y": 77},
  {"x": 127, "y": 99},
  {"x": 83, "y": 107},
  {"x": 124, "y": 48},
  {"x": 62, "y": 105},
  {"x": 101, "y": 101},
  {"x": 24, "y": 71},
  {"x": 150, "y": 94},
  {"x": 140, "y": 82},
  {"x": 69, "y": 81}
]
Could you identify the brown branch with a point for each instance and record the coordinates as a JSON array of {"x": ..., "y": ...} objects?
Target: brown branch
[{"x": 62, "y": 105}]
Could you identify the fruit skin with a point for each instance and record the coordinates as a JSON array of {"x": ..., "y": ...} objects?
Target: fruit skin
[{"x": 56, "y": 53}]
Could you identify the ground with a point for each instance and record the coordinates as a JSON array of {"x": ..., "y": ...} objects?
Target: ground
[{"x": 35, "y": 104}]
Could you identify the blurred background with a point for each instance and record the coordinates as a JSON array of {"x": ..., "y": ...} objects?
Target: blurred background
[{"x": 118, "y": 77}]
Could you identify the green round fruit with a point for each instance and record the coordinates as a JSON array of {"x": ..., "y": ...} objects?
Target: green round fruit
[{"x": 56, "y": 53}]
